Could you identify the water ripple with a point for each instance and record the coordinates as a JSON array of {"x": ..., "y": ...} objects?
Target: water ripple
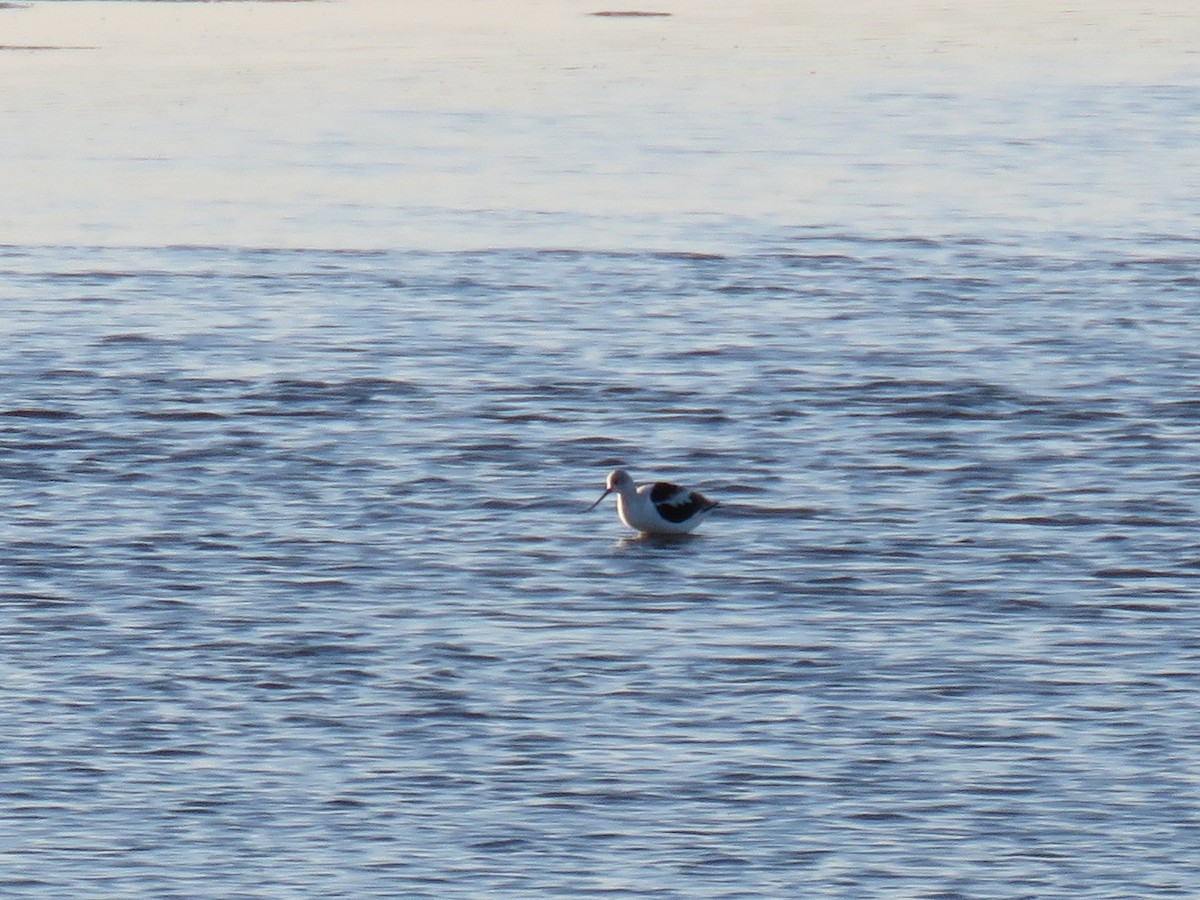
[{"x": 296, "y": 588}]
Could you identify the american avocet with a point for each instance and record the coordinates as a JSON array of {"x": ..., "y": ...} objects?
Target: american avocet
[{"x": 659, "y": 508}]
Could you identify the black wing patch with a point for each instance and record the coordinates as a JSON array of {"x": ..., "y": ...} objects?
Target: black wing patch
[{"x": 676, "y": 504}]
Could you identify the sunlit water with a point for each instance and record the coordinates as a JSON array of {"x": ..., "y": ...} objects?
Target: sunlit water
[{"x": 299, "y": 598}]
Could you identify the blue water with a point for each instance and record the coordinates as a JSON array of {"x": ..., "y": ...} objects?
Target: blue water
[
  {"x": 299, "y": 594},
  {"x": 297, "y": 591}
]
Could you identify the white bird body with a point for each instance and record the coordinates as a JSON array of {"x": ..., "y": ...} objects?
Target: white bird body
[{"x": 658, "y": 508}]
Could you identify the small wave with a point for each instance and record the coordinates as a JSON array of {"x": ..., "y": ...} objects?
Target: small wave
[
  {"x": 182, "y": 415},
  {"x": 40, "y": 413},
  {"x": 132, "y": 337}
]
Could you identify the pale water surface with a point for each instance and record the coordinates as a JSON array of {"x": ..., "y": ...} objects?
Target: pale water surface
[{"x": 324, "y": 323}]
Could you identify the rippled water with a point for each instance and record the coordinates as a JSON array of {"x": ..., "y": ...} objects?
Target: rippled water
[{"x": 298, "y": 593}]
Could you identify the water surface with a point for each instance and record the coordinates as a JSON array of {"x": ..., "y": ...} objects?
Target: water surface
[{"x": 298, "y": 593}]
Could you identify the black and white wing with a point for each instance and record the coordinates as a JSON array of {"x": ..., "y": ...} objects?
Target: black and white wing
[{"x": 678, "y": 504}]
